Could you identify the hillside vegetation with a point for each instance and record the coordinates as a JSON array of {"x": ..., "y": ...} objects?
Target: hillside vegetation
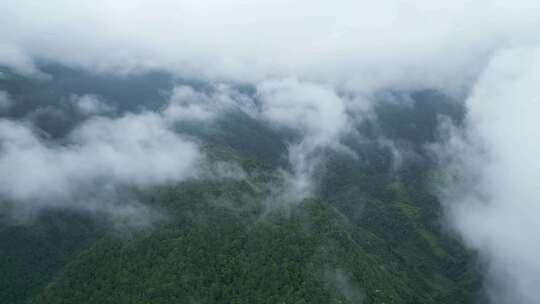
[{"x": 370, "y": 233}]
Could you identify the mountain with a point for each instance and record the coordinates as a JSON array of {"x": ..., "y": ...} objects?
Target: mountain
[{"x": 370, "y": 232}]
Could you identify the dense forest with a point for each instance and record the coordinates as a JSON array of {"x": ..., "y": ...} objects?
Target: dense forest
[{"x": 371, "y": 232}]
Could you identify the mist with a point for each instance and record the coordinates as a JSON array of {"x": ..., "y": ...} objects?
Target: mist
[
  {"x": 492, "y": 196},
  {"x": 314, "y": 68},
  {"x": 98, "y": 158},
  {"x": 356, "y": 45}
]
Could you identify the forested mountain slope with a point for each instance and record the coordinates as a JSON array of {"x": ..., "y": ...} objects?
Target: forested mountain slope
[{"x": 370, "y": 232}]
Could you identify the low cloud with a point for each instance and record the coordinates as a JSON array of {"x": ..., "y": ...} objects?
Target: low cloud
[
  {"x": 90, "y": 105},
  {"x": 99, "y": 157},
  {"x": 313, "y": 110},
  {"x": 492, "y": 196},
  {"x": 187, "y": 103},
  {"x": 5, "y": 101},
  {"x": 355, "y": 45}
]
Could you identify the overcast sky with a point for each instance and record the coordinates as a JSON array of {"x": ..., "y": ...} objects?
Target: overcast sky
[
  {"x": 312, "y": 63},
  {"x": 358, "y": 45}
]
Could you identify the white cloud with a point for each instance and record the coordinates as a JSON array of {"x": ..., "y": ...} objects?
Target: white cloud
[
  {"x": 314, "y": 111},
  {"x": 100, "y": 156},
  {"x": 12, "y": 56},
  {"x": 358, "y": 45},
  {"x": 187, "y": 103},
  {"x": 184, "y": 105},
  {"x": 494, "y": 200},
  {"x": 90, "y": 105}
]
